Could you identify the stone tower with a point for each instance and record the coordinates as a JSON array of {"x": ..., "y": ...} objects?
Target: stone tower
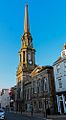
[{"x": 27, "y": 52}]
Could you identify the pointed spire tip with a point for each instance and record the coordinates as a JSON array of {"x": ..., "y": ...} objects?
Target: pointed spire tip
[{"x": 26, "y": 21}]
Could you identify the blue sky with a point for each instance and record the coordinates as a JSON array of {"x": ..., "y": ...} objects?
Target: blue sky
[{"x": 48, "y": 28}]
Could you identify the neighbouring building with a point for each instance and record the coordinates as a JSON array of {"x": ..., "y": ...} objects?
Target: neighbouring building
[
  {"x": 31, "y": 89},
  {"x": 12, "y": 94},
  {"x": 60, "y": 81},
  {"x": 5, "y": 98}
]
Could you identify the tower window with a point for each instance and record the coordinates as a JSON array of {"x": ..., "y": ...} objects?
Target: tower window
[
  {"x": 23, "y": 56},
  {"x": 30, "y": 42}
]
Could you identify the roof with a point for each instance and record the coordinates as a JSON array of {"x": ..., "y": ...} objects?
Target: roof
[
  {"x": 58, "y": 60},
  {"x": 38, "y": 69}
]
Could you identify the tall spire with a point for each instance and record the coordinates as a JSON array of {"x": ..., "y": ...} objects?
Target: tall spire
[{"x": 26, "y": 21}]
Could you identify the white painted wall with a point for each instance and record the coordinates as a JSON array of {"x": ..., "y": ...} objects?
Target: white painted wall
[
  {"x": 61, "y": 75},
  {"x": 5, "y": 99}
]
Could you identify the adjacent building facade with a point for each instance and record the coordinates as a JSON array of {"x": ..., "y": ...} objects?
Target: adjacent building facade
[
  {"x": 43, "y": 89},
  {"x": 5, "y": 98},
  {"x": 60, "y": 81}
]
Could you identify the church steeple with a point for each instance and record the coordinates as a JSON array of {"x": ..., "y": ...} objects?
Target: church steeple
[
  {"x": 26, "y": 20},
  {"x": 27, "y": 52}
]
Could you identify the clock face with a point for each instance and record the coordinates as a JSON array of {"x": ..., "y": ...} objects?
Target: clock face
[
  {"x": 30, "y": 62},
  {"x": 29, "y": 58}
]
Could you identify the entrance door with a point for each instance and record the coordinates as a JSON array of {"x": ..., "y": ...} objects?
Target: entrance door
[{"x": 62, "y": 107}]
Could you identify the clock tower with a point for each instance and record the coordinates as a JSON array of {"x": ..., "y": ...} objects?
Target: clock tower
[{"x": 27, "y": 52}]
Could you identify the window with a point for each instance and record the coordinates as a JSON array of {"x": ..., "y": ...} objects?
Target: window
[
  {"x": 65, "y": 64},
  {"x": 42, "y": 85},
  {"x": 23, "y": 56},
  {"x": 30, "y": 42},
  {"x": 34, "y": 87},
  {"x": 60, "y": 83},
  {"x": 38, "y": 89},
  {"x": 65, "y": 100},
  {"x": 20, "y": 57},
  {"x": 40, "y": 104},
  {"x": 45, "y": 84},
  {"x": 25, "y": 94},
  {"x": 28, "y": 94},
  {"x": 34, "y": 103},
  {"x": 65, "y": 97},
  {"x": 58, "y": 68},
  {"x": 18, "y": 92}
]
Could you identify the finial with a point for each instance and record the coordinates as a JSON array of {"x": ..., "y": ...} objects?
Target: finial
[{"x": 65, "y": 46}]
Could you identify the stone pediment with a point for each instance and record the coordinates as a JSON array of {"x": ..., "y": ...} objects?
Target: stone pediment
[{"x": 36, "y": 70}]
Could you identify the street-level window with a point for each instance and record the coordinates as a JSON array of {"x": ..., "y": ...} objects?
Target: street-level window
[
  {"x": 65, "y": 103},
  {"x": 65, "y": 100},
  {"x": 34, "y": 103}
]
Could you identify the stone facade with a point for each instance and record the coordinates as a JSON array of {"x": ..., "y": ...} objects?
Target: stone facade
[{"x": 43, "y": 89}]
